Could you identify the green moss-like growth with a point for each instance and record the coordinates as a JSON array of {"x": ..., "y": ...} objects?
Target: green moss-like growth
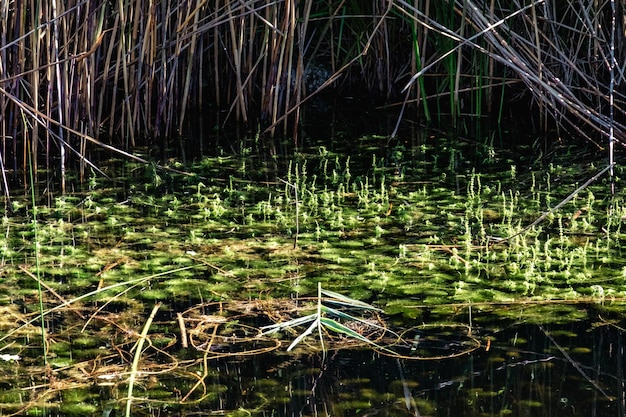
[{"x": 79, "y": 409}]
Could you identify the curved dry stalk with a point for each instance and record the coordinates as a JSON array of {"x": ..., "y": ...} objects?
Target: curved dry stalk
[{"x": 138, "y": 350}]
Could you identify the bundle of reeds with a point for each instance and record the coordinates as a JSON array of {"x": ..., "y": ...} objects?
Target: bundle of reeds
[
  {"x": 119, "y": 74},
  {"x": 568, "y": 55}
]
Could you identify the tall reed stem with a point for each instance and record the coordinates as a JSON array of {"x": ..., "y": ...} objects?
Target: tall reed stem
[{"x": 44, "y": 340}]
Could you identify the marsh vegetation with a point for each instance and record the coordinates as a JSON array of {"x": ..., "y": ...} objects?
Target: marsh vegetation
[
  {"x": 147, "y": 270},
  {"x": 247, "y": 239},
  {"x": 84, "y": 77}
]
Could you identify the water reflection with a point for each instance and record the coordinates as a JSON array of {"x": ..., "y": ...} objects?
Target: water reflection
[{"x": 523, "y": 370}]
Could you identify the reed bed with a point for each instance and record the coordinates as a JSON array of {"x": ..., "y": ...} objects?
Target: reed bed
[{"x": 79, "y": 75}]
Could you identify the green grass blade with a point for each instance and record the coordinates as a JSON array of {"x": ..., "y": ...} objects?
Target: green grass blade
[
  {"x": 138, "y": 350},
  {"x": 347, "y": 301},
  {"x": 338, "y": 313},
  {"x": 346, "y": 316},
  {"x": 337, "y": 327}
]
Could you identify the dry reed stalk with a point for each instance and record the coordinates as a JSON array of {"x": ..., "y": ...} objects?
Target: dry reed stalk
[
  {"x": 544, "y": 47},
  {"x": 131, "y": 66},
  {"x": 266, "y": 67},
  {"x": 236, "y": 27},
  {"x": 455, "y": 107},
  {"x": 574, "y": 91},
  {"x": 35, "y": 37},
  {"x": 4, "y": 10},
  {"x": 40, "y": 118},
  {"x": 217, "y": 79},
  {"x": 106, "y": 57},
  {"x": 491, "y": 67},
  {"x": 58, "y": 74},
  {"x": 132, "y": 69},
  {"x": 279, "y": 62},
  {"x": 299, "y": 80},
  {"x": 540, "y": 68},
  {"x": 191, "y": 59},
  {"x": 339, "y": 72},
  {"x": 146, "y": 69},
  {"x": 288, "y": 49},
  {"x": 271, "y": 66}
]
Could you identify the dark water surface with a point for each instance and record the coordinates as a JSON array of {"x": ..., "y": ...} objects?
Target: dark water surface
[
  {"x": 571, "y": 371},
  {"x": 464, "y": 325}
]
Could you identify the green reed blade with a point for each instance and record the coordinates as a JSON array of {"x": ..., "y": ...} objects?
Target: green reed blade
[{"x": 347, "y": 301}]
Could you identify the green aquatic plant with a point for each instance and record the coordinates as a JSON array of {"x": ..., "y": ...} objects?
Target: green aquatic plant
[{"x": 294, "y": 185}]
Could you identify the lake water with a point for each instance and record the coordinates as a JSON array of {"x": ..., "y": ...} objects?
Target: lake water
[{"x": 426, "y": 310}]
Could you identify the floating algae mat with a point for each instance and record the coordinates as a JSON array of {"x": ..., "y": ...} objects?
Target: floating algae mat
[{"x": 397, "y": 281}]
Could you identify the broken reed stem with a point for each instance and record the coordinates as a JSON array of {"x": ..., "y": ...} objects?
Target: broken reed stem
[
  {"x": 184, "y": 341},
  {"x": 134, "y": 370}
]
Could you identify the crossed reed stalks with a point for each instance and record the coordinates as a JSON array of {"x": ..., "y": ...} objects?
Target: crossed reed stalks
[{"x": 79, "y": 75}]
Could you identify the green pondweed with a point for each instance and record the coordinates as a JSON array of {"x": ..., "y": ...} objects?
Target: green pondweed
[
  {"x": 294, "y": 185},
  {"x": 328, "y": 318}
]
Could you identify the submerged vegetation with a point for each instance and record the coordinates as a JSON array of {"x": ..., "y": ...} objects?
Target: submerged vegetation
[{"x": 410, "y": 231}]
